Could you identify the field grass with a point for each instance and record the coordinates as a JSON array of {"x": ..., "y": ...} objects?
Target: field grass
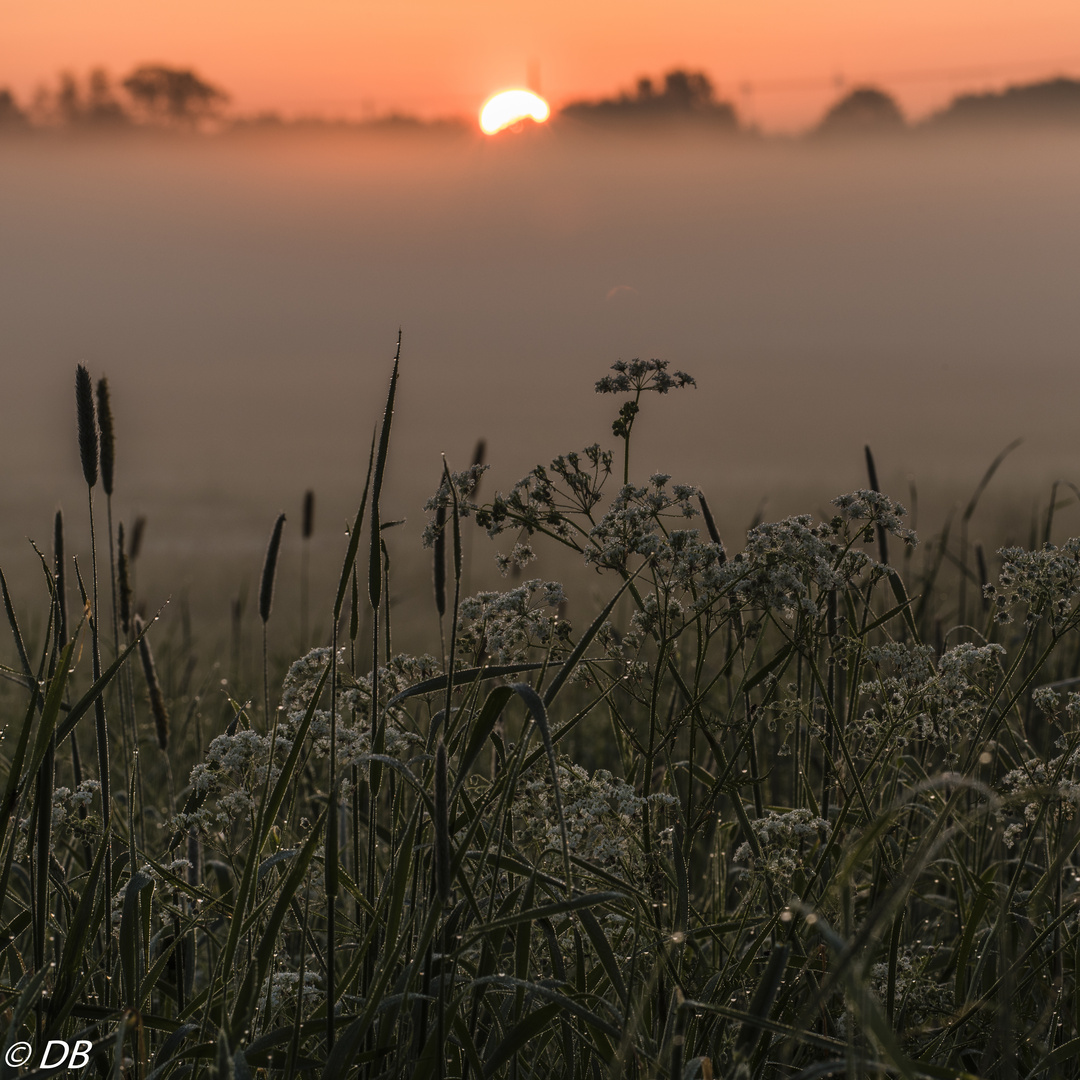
[{"x": 799, "y": 806}]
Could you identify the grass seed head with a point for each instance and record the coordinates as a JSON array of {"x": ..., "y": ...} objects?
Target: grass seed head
[
  {"x": 88, "y": 433},
  {"x": 266, "y": 588},
  {"x": 105, "y": 427}
]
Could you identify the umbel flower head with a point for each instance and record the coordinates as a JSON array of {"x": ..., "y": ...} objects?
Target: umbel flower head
[{"x": 634, "y": 376}]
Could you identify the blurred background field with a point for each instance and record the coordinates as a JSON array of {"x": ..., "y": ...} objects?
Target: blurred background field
[{"x": 243, "y": 295}]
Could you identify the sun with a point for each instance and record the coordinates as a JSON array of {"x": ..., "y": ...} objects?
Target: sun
[{"x": 510, "y": 106}]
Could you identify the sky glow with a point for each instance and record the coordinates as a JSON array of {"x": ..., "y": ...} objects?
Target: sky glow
[{"x": 780, "y": 62}]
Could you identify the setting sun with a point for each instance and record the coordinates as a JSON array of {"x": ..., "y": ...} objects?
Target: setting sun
[{"x": 509, "y": 107}]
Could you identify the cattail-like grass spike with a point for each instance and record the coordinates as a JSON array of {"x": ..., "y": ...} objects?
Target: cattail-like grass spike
[
  {"x": 308, "y": 527},
  {"x": 137, "y": 531},
  {"x": 88, "y": 432},
  {"x": 124, "y": 581},
  {"x": 266, "y": 587},
  {"x": 153, "y": 686},
  {"x": 266, "y": 600},
  {"x": 710, "y": 526},
  {"x": 107, "y": 454},
  {"x": 980, "y": 560},
  {"x": 309, "y": 514},
  {"x": 479, "y": 453}
]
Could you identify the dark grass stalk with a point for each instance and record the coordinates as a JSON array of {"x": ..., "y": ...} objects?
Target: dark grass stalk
[
  {"x": 349, "y": 575},
  {"x": 124, "y": 582},
  {"x": 308, "y": 527},
  {"x": 375, "y": 586},
  {"x": 88, "y": 453},
  {"x": 43, "y": 800},
  {"x": 107, "y": 461},
  {"x": 330, "y": 848},
  {"x": 965, "y": 521},
  {"x": 60, "y": 571},
  {"x": 135, "y": 543},
  {"x": 441, "y": 823},
  {"x": 710, "y": 526},
  {"x": 266, "y": 603},
  {"x": 158, "y": 710},
  {"x": 479, "y": 454},
  {"x": 439, "y": 574},
  {"x": 60, "y": 577}
]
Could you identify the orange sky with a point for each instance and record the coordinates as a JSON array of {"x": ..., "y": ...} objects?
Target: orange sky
[{"x": 348, "y": 57}]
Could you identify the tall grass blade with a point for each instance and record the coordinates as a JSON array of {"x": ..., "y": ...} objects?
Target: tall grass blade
[{"x": 375, "y": 555}]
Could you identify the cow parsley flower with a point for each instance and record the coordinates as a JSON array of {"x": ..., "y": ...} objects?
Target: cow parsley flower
[{"x": 786, "y": 841}]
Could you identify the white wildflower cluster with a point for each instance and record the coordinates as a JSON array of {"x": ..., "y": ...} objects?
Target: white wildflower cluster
[
  {"x": 283, "y": 989},
  {"x": 876, "y": 509},
  {"x": 146, "y": 873},
  {"x": 618, "y": 655},
  {"x": 786, "y": 715},
  {"x": 518, "y": 559},
  {"x": 236, "y": 766},
  {"x": 635, "y": 376},
  {"x": 786, "y": 841},
  {"x": 1045, "y": 582},
  {"x": 353, "y": 701},
  {"x": 69, "y": 808},
  {"x": 545, "y": 498},
  {"x": 505, "y": 626},
  {"x": 633, "y": 525},
  {"x": 604, "y": 816},
  {"x": 1046, "y": 699},
  {"x": 918, "y": 699},
  {"x": 1039, "y": 783},
  {"x": 465, "y": 484},
  {"x": 692, "y": 565},
  {"x": 659, "y": 615},
  {"x": 788, "y": 566},
  {"x": 918, "y": 997}
]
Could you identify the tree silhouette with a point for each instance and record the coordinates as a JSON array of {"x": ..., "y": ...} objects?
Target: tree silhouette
[
  {"x": 1055, "y": 101},
  {"x": 864, "y": 111},
  {"x": 11, "y": 116},
  {"x": 685, "y": 95},
  {"x": 173, "y": 95}
]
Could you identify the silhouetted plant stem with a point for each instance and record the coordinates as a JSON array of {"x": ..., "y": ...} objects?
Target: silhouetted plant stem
[{"x": 88, "y": 451}]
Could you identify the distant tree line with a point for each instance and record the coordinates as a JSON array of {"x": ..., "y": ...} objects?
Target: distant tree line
[
  {"x": 155, "y": 95},
  {"x": 683, "y": 95},
  {"x": 864, "y": 111},
  {"x": 152, "y": 94},
  {"x": 867, "y": 110}
]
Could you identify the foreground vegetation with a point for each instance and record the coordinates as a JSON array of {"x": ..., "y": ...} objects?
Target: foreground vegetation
[{"x": 802, "y": 809}]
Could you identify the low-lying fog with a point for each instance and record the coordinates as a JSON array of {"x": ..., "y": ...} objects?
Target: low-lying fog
[{"x": 243, "y": 299}]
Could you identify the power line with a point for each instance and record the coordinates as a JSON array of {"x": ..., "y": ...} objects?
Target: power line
[{"x": 819, "y": 82}]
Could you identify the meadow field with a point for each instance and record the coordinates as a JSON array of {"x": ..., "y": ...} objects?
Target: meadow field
[{"x": 581, "y": 760}]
